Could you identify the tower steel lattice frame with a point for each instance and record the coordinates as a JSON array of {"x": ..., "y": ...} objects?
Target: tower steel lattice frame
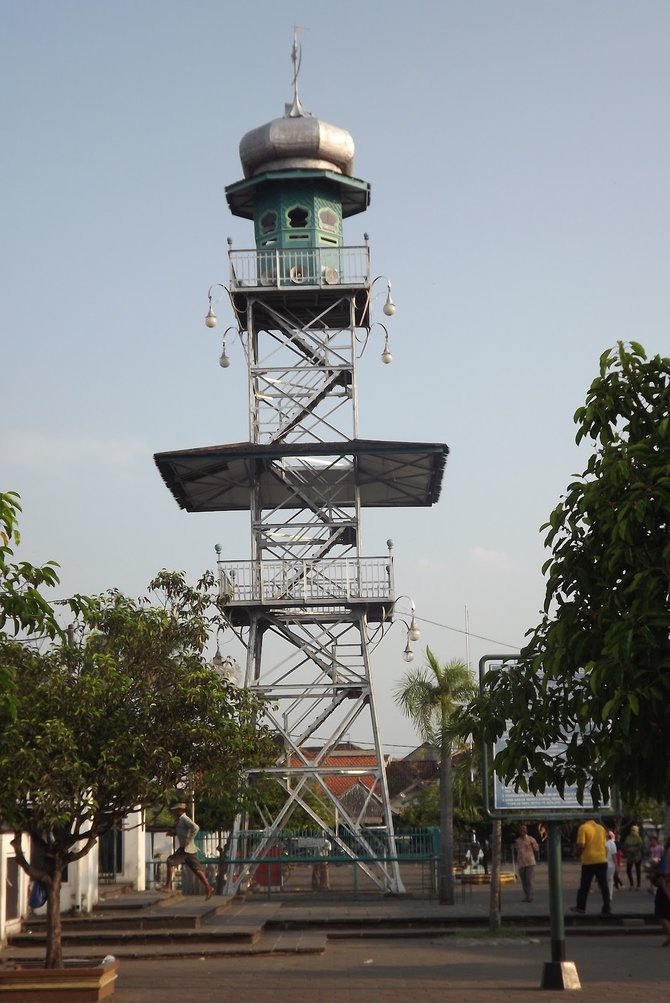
[
  {"x": 315, "y": 591},
  {"x": 308, "y": 606}
]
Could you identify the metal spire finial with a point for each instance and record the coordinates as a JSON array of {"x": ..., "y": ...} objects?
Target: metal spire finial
[{"x": 295, "y": 110}]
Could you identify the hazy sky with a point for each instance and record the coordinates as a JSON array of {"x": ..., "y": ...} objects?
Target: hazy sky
[{"x": 519, "y": 159}]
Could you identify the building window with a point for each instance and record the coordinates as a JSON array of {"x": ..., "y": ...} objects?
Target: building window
[
  {"x": 268, "y": 222},
  {"x": 328, "y": 219},
  {"x": 297, "y": 217}
]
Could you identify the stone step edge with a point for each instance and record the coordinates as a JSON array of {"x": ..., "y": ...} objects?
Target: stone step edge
[
  {"x": 204, "y": 934},
  {"x": 282, "y": 944},
  {"x": 466, "y": 933}
]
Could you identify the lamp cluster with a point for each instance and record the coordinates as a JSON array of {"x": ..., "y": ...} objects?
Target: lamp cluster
[
  {"x": 413, "y": 634},
  {"x": 388, "y": 310},
  {"x": 211, "y": 320}
]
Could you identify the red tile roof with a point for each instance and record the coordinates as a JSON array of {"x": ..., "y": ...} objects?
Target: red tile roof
[{"x": 344, "y": 756}]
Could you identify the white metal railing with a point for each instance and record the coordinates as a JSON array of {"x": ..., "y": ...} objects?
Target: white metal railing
[
  {"x": 334, "y": 580},
  {"x": 294, "y": 267}
]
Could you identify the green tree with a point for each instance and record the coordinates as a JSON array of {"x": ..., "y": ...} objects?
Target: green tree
[
  {"x": 109, "y": 720},
  {"x": 430, "y": 697},
  {"x": 595, "y": 672},
  {"x": 424, "y": 809},
  {"x": 22, "y": 605}
]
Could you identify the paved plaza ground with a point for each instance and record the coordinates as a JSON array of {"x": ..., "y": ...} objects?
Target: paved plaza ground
[
  {"x": 402, "y": 949},
  {"x": 611, "y": 970},
  {"x": 631, "y": 967}
]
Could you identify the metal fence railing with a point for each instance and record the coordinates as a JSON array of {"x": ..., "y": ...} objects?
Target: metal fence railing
[
  {"x": 325, "y": 579},
  {"x": 296, "y": 267},
  {"x": 311, "y": 860}
]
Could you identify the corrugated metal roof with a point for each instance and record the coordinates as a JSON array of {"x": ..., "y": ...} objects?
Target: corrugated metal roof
[{"x": 387, "y": 474}]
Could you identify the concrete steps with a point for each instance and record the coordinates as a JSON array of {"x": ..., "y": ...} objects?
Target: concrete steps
[
  {"x": 150, "y": 926},
  {"x": 156, "y": 925}
]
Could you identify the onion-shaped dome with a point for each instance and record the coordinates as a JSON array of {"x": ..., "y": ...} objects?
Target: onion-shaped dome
[{"x": 299, "y": 141}]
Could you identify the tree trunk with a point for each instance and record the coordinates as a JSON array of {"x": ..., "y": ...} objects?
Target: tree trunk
[
  {"x": 446, "y": 869},
  {"x": 54, "y": 957}
]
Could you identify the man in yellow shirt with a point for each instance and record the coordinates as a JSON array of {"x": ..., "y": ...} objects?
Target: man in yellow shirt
[{"x": 592, "y": 852}]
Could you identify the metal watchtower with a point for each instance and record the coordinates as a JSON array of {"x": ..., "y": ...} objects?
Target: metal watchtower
[{"x": 307, "y": 603}]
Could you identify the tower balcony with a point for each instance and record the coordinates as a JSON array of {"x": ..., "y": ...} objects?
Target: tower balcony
[
  {"x": 273, "y": 286},
  {"x": 314, "y": 585},
  {"x": 295, "y": 268}
]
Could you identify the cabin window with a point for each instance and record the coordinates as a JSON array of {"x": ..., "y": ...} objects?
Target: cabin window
[
  {"x": 328, "y": 219},
  {"x": 268, "y": 222},
  {"x": 297, "y": 217}
]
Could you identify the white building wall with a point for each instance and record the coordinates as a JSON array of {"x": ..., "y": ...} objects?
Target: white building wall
[
  {"x": 80, "y": 892},
  {"x": 134, "y": 851},
  {"x": 13, "y": 889}
]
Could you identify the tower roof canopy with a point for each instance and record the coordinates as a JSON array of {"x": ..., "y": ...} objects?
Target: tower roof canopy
[
  {"x": 387, "y": 474},
  {"x": 354, "y": 193}
]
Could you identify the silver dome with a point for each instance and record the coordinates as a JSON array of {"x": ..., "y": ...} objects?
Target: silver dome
[{"x": 297, "y": 142}]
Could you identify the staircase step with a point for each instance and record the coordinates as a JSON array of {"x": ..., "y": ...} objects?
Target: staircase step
[
  {"x": 273, "y": 943},
  {"x": 188, "y": 914},
  {"x": 177, "y": 926},
  {"x": 107, "y": 937},
  {"x": 132, "y": 900},
  {"x": 114, "y": 889}
]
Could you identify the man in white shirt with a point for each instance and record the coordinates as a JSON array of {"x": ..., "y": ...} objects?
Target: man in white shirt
[{"x": 187, "y": 852}]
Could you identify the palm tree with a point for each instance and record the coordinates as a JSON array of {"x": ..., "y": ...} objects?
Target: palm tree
[{"x": 430, "y": 697}]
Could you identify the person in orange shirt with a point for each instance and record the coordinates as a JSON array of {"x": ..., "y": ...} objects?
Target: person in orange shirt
[{"x": 592, "y": 852}]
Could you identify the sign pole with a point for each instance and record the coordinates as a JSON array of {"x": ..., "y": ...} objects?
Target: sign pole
[
  {"x": 557, "y": 973},
  {"x": 556, "y": 894}
]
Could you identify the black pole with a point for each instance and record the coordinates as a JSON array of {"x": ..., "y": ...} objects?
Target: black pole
[
  {"x": 556, "y": 893},
  {"x": 557, "y": 973}
]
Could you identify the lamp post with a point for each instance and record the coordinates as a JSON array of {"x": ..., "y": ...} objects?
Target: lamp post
[
  {"x": 389, "y": 307},
  {"x": 211, "y": 319},
  {"x": 386, "y": 356}
]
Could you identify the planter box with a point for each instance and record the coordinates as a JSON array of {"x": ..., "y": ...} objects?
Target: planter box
[{"x": 83, "y": 983}]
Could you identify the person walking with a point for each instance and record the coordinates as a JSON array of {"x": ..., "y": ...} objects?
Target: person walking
[
  {"x": 655, "y": 851},
  {"x": 612, "y": 863},
  {"x": 592, "y": 853},
  {"x": 187, "y": 852},
  {"x": 527, "y": 852},
  {"x": 632, "y": 848},
  {"x": 660, "y": 879}
]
